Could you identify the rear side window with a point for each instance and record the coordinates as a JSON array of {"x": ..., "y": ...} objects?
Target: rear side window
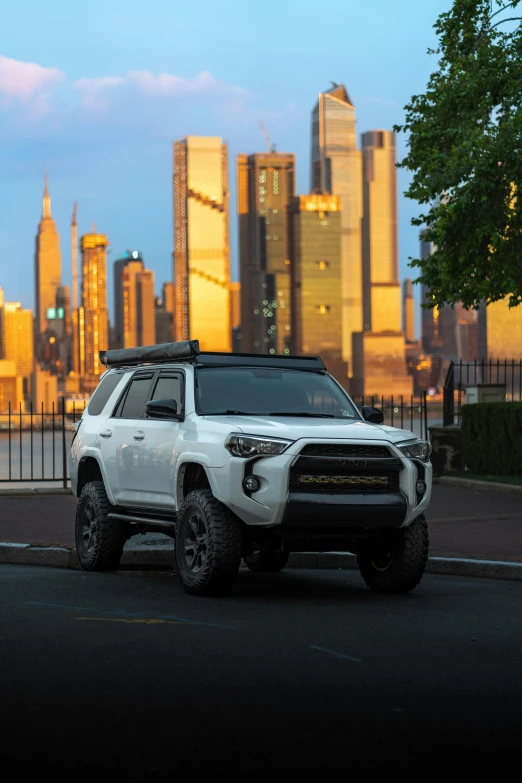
[
  {"x": 136, "y": 399},
  {"x": 101, "y": 396}
]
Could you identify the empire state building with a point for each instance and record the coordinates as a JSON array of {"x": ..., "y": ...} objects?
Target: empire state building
[{"x": 47, "y": 264}]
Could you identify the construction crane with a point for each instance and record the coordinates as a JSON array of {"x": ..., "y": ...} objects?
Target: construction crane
[{"x": 270, "y": 147}]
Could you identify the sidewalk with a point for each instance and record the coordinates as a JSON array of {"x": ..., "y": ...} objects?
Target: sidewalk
[{"x": 463, "y": 523}]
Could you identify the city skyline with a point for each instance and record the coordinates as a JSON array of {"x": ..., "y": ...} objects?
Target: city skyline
[{"x": 115, "y": 162}]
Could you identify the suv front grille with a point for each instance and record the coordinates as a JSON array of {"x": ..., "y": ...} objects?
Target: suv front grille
[
  {"x": 344, "y": 450},
  {"x": 317, "y": 482}
]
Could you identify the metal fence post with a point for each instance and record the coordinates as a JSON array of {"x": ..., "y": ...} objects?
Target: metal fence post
[{"x": 64, "y": 447}]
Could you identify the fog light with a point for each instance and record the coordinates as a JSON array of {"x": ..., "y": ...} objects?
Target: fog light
[
  {"x": 251, "y": 484},
  {"x": 421, "y": 487}
]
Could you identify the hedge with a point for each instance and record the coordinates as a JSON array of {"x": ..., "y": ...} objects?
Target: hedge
[{"x": 492, "y": 438}]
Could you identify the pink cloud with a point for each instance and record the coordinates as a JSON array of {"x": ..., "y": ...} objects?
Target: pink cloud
[
  {"x": 26, "y": 82},
  {"x": 93, "y": 89}
]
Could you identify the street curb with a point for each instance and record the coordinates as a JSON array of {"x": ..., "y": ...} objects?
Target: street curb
[
  {"x": 34, "y": 492},
  {"x": 474, "y": 484},
  {"x": 163, "y": 556}
]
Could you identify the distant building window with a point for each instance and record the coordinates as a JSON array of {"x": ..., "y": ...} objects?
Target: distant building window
[
  {"x": 322, "y": 265},
  {"x": 322, "y": 309}
]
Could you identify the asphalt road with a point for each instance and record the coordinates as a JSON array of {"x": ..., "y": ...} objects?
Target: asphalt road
[{"x": 123, "y": 676}]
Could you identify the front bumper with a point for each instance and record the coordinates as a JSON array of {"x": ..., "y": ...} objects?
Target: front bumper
[{"x": 277, "y": 503}]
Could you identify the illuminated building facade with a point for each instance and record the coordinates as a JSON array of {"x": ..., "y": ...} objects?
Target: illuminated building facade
[
  {"x": 16, "y": 338},
  {"x": 337, "y": 169},
  {"x": 500, "y": 331},
  {"x": 201, "y": 242},
  {"x": 93, "y": 315},
  {"x": 408, "y": 312},
  {"x": 315, "y": 252},
  {"x": 47, "y": 265},
  {"x": 265, "y": 185},
  {"x": 379, "y": 350},
  {"x": 134, "y": 302}
]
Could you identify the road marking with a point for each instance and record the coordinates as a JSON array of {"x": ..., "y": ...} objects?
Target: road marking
[
  {"x": 145, "y": 621},
  {"x": 126, "y": 613},
  {"x": 335, "y": 654}
]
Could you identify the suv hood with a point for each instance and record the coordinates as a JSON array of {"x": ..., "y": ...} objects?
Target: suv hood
[{"x": 295, "y": 428}]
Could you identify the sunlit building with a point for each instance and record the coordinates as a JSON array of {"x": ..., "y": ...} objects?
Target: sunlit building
[
  {"x": 316, "y": 262},
  {"x": 201, "y": 242},
  {"x": 134, "y": 302},
  {"x": 337, "y": 169},
  {"x": 408, "y": 315},
  {"x": 93, "y": 322},
  {"x": 500, "y": 330},
  {"x": 16, "y": 339},
  {"x": 11, "y": 387},
  {"x": 265, "y": 184},
  {"x": 47, "y": 265},
  {"x": 379, "y": 350}
]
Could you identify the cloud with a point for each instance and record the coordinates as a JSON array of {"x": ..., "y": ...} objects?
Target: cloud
[
  {"x": 161, "y": 85},
  {"x": 26, "y": 82},
  {"x": 92, "y": 90}
]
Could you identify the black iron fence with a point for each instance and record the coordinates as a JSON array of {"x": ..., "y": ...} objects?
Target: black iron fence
[
  {"x": 461, "y": 375},
  {"x": 34, "y": 445}
]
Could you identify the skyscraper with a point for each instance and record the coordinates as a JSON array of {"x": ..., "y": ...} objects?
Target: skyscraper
[
  {"x": 47, "y": 264},
  {"x": 315, "y": 256},
  {"x": 379, "y": 350},
  {"x": 201, "y": 242},
  {"x": 134, "y": 303},
  {"x": 265, "y": 184},
  {"x": 93, "y": 322},
  {"x": 409, "y": 312},
  {"x": 16, "y": 338},
  {"x": 336, "y": 169},
  {"x": 439, "y": 324},
  {"x": 381, "y": 287}
]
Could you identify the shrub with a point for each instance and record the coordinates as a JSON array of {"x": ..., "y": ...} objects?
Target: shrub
[{"x": 492, "y": 438}]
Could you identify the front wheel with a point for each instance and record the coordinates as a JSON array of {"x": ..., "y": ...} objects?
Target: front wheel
[
  {"x": 209, "y": 543},
  {"x": 397, "y": 562},
  {"x": 99, "y": 540},
  {"x": 266, "y": 562}
]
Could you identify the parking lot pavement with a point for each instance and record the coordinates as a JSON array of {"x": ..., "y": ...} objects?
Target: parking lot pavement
[{"x": 123, "y": 674}]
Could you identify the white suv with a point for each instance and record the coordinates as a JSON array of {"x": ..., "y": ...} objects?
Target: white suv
[{"x": 245, "y": 456}]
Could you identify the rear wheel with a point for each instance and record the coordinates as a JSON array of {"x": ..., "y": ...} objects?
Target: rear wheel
[
  {"x": 397, "y": 562},
  {"x": 99, "y": 540},
  {"x": 208, "y": 545},
  {"x": 268, "y": 562}
]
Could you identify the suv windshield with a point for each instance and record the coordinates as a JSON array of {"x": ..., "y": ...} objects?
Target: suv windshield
[{"x": 265, "y": 391}]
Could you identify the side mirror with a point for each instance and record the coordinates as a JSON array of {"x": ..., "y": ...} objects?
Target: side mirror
[
  {"x": 372, "y": 415},
  {"x": 163, "y": 409}
]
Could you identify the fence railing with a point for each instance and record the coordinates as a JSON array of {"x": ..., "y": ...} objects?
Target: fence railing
[
  {"x": 463, "y": 374},
  {"x": 34, "y": 445}
]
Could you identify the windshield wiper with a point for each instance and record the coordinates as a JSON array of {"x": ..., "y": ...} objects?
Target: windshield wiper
[
  {"x": 305, "y": 413},
  {"x": 230, "y": 412}
]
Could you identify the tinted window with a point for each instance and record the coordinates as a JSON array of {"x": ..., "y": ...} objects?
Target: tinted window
[
  {"x": 101, "y": 396},
  {"x": 168, "y": 389},
  {"x": 138, "y": 396},
  {"x": 266, "y": 391}
]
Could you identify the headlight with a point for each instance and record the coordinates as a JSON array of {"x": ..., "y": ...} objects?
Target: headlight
[
  {"x": 417, "y": 449},
  {"x": 255, "y": 445}
]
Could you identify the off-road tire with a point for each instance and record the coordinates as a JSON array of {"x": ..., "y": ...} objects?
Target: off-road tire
[
  {"x": 101, "y": 549},
  {"x": 217, "y": 571},
  {"x": 407, "y": 563},
  {"x": 266, "y": 562}
]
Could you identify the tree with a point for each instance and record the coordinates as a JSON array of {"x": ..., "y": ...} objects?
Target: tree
[{"x": 465, "y": 152}]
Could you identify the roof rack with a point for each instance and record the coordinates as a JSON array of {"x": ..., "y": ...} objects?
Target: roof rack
[
  {"x": 189, "y": 351},
  {"x": 184, "y": 351}
]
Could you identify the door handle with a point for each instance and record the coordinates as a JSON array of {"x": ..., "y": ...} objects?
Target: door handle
[
  {"x": 106, "y": 434},
  {"x": 139, "y": 435}
]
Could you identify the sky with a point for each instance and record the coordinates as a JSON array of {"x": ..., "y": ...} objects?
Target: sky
[{"x": 96, "y": 95}]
